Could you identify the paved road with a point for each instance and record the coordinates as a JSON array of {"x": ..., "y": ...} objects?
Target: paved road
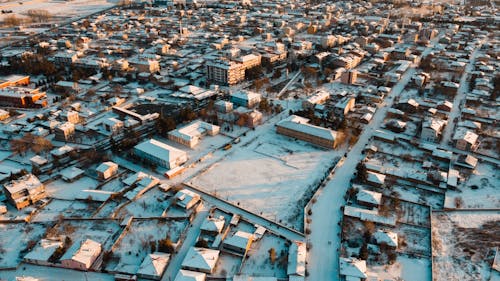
[
  {"x": 459, "y": 99},
  {"x": 325, "y": 226}
]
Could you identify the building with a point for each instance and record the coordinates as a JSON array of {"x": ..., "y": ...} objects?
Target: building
[
  {"x": 82, "y": 255},
  {"x": 14, "y": 81},
  {"x": 22, "y": 97},
  {"x": 188, "y": 275},
  {"x": 70, "y": 116},
  {"x": 191, "y": 134},
  {"x": 249, "y": 61},
  {"x": 239, "y": 242},
  {"x": 113, "y": 125},
  {"x": 245, "y": 98},
  {"x": 42, "y": 252},
  {"x": 107, "y": 170},
  {"x": 225, "y": 72},
  {"x": 160, "y": 154},
  {"x": 343, "y": 106},
  {"x": 212, "y": 226},
  {"x": 369, "y": 198},
  {"x": 299, "y": 128},
  {"x": 319, "y": 97},
  {"x": 201, "y": 259},
  {"x": 223, "y": 106},
  {"x": 4, "y": 114},
  {"x": 24, "y": 191},
  {"x": 64, "y": 132},
  {"x": 432, "y": 129},
  {"x": 297, "y": 259},
  {"x": 353, "y": 269},
  {"x": 249, "y": 117},
  {"x": 153, "y": 266},
  {"x": 186, "y": 198},
  {"x": 349, "y": 77},
  {"x": 387, "y": 237},
  {"x": 465, "y": 139}
]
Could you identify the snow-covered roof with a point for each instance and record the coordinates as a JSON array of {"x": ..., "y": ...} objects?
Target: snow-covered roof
[
  {"x": 466, "y": 135},
  {"x": 187, "y": 275},
  {"x": 201, "y": 258},
  {"x": 301, "y": 124},
  {"x": 388, "y": 237},
  {"x": 106, "y": 166},
  {"x": 185, "y": 196},
  {"x": 253, "y": 278},
  {"x": 213, "y": 224},
  {"x": 160, "y": 149},
  {"x": 27, "y": 182},
  {"x": 43, "y": 250},
  {"x": 297, "y": 259},
  {"x": 39, "y": 160},
  {"x": 61, "y": 150},
  {"x": 84, "y": 253},
  {"x": 154, "y": 264},
  {"x": 375, "y": 177},
  {"x": 71, "y": 173},
  {"x": 353, "y": 267},
  {"x": 239, "y": 239},
  {"x": 369, "y": 196}
]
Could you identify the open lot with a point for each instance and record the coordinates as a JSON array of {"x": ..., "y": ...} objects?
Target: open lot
[
  {"x": 14, "y": 239},
  {"x": 269, "y": 176},
  {"x": 461, "y": 242}
]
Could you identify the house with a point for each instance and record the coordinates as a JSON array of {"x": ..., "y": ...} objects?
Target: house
[
  {"x": 396, "y": 126},
  {"x": 239, "y": 242},
  {"x": 70, "y": 174},
  {"x": 343, "y": 106},
  {"x": 410, "y": 105},
  {"x": 223, "y": 106},
  {"x": 112, "y": 125},
  {"x": 153, "y": 266},
  {"x": 191, "y": 134},
  {"x": 375, "y": 178},
  {"x": 42, "y": 251},
  {"x": 62, "y": 154},
  {"x": 187, "y": 275},
  {"x": 4, "y": 114},
  {"x": 244, "y": 277},
  {"x": 82, "y": 255},
  {"x": 186, "y": 198},
  {"x": 319, "y": 97},
  {"x": 70, "y": 116},
  {"x": 298, "y": 127},
  {"x": 432, "y": 129},
  {"x": 297, "y": 259},
  {"x": 24, "y": 191},
  {"x": 40, "y": 163},
  {"x": 467, "y": 161},
  {"x": 247, "y": 117},
  {"x": 369, "y": 198},
  {"x": 65, "y": 131},
  {"x": 107, "y": 170},
  {"x": 142, "y": 180},
  {"x": 465, "y": 139},
  {"x": 212, "y": 226},
  {"x": 201, "y": 259},
  {"x": 245, "y": 98},
  {"x": 160, "y": 154},
  {"x": 387, "y": 237},
  {"x": 353, "y": 269}
]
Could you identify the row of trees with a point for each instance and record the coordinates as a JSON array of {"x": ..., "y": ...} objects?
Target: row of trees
[{"x": 31, "y": 142}]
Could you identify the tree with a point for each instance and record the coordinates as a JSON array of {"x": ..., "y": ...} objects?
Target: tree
[
  {"x": 12, "y": 20},
  {"x": 166, "y": 245},
  {"x": 363, "y": 252},
  {"x": 272, "y": 255},
  {"x": 202, "y": 243}
]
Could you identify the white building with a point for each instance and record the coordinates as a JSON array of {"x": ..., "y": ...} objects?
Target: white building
[
  {"x": 81, "y": 256},
  {"x": 201, "y": 259},
  {"x": 191, "y": 134},
  {"x": 160, "y": 154}
]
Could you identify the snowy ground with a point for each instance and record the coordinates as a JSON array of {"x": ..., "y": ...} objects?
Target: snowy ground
[
  {"x": 70, "y": 190},
  {"x": 273, "y": 167},
  {"x": 480, "y": 191},
  {"x": 45, "y": 273},
  {"x": 258, "y": 262},
  {"x": 408, "y": 269},
  {"x": 14, "y": 239},
  {"x": 461, "y": 242},
  {"x": 66, "y": 208},
  {"x": 135, "y": 245}
]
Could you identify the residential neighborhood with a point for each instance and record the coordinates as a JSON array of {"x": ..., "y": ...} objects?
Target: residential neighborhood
[{"x": 249, "y": 140}]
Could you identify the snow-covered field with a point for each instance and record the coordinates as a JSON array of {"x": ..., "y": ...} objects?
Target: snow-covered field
[
  {"x": 268, "y": 176},
  {"x": 461, "y": 242},
  {"x": 13, "y": 239},
  {"x": 70, "y": 190},
  {"x": 66, "y": 9},
  {"x": 480, "y": 191},
  {"x": 408, "y": 269},
  {"x": 135, "y": 245},
  {"x": 45, "y": 273},
  {"x": 66, "y": 208}
]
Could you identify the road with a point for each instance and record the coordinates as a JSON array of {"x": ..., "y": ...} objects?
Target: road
[
  {"x": 326, "y": 214},
  {"x": 459, "y": 99},
  {"x": 175, "y": 262}
]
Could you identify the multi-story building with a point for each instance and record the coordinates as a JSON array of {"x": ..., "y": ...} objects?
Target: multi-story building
[
  {"x": 65, "y": 131},
  {"x": 191, "y": 134},
  {"x": 160, "y": 154},
  {"x": 245, "y": 98},
  {"x": 25, "y": 191},
  {"x": 249, "y": 61},
  {"x": 22, "y": 97},
  {"x": 299, "y": 128},
  {"x": 225, "y": 72}
]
